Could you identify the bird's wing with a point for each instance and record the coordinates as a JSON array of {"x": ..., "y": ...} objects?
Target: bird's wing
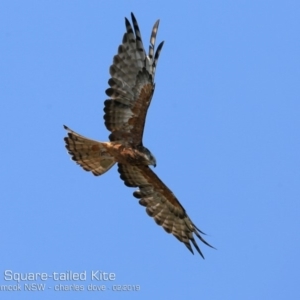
[
  {"x": 131, "y": 85},
  {"x": 161, "y": 204}
]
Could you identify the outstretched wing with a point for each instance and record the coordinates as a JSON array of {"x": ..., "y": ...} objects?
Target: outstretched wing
[
  {"x": 161, "y": 204},
  {"x": 131, "y": 85}
]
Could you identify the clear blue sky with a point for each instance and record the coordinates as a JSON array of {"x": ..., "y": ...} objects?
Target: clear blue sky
[{"x": 224, "y": 125}]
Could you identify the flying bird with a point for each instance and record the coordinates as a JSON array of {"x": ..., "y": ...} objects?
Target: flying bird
[{"x": 130, "y": 94}]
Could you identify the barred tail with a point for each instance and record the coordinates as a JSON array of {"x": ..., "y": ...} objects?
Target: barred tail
[{"x": 89, "y": 154}]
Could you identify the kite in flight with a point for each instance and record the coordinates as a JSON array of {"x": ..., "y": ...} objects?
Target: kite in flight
[{"x": 131, "y": 90}]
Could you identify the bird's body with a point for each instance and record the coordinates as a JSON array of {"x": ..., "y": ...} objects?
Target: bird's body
[{"x": 131, "y": 90}]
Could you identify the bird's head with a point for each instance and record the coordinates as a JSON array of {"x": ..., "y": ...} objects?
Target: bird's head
[{"x": 150, "y": 159}]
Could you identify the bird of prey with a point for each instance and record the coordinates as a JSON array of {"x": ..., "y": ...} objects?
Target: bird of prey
[{"x": 130, "y": 93}]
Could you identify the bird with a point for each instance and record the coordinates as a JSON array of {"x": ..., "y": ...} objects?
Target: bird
[{"x": 130, "y": 92}]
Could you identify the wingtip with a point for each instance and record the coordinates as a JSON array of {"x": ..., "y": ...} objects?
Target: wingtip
[
  {"x": 156, "y": 24},
  {"x": 127, "y": 23},
  {"x": 190, "y": 248},
  {"x": 198, "y": 250},
  {"x": 133, "y": 17},
  {"x": 160, "y": 45}
]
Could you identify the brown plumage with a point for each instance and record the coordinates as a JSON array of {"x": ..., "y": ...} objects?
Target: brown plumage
[{"x": 131, "y": 90}]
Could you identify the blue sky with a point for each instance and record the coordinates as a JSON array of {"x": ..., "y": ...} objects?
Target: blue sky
[{"x": 223, "y": 124}]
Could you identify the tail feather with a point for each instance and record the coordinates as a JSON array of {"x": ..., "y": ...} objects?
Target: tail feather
[{"x": 91, "y": 155}]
